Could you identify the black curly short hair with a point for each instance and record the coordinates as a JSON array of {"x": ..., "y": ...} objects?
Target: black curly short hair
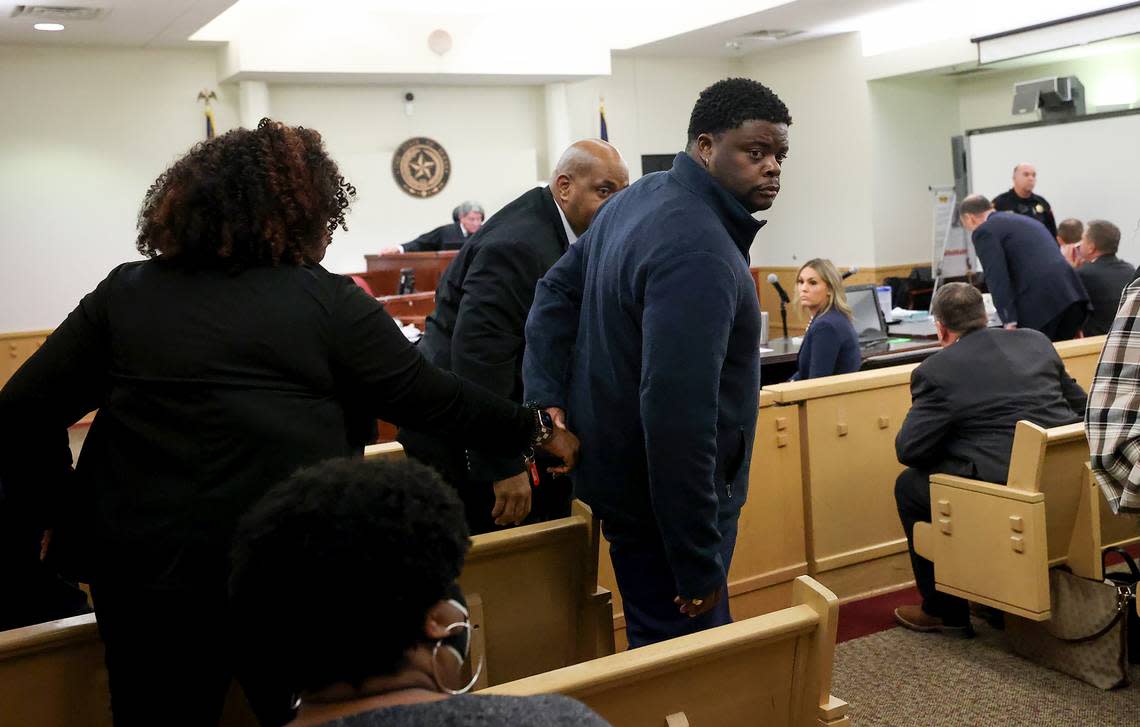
[
  {"x": 334, "y": 570},
  {"x": 729, "y": 103},
  {"x": 247, "y": 198}
]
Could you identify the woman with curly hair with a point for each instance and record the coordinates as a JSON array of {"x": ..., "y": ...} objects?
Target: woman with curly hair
[{"x": 218, "y": 366}]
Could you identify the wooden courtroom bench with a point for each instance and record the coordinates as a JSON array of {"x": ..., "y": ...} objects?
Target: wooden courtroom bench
[
  {"x": 772, "y": 670},
  {"x": 533, "y": 585},
  {"x": 994, "y": 544},
  {"x": 847, "y": 426},
  {"x": 52, "y": 675},
  {"x": 770, "y": 549},
  {"x": 412, "y": 308}
]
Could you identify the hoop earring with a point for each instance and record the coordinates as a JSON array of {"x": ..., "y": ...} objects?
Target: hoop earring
[
  {"x": 705, "y": 160},
  {"x": 435, "y": 668}
]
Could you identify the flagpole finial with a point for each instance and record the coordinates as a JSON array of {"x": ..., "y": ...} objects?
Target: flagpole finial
[{"x": 207, "y": 95}]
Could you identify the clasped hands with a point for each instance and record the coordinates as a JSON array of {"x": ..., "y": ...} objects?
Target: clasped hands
[{"x": 513, "y": 494}]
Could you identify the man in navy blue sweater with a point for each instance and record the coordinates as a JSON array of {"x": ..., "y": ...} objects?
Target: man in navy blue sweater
[
  {"x": 645, "y": 337},
  {"x": 1032, "y": 284}
]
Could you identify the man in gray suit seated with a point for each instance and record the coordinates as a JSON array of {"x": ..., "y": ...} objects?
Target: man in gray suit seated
[{"x": 965, "y": 402}]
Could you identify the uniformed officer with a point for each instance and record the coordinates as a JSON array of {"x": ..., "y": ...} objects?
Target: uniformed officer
[{"x": 1021, "y": 200}]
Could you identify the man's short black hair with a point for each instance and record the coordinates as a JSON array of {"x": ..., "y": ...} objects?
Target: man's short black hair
[
  {"x": 729, "y": 103},
  {"x": 959, "y": 307},
  {"x": 1104, "y": 235},
  {"x": 335, "y": 569}
]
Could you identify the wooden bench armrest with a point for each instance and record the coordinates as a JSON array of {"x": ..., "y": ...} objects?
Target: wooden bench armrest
[{"x": 987, "y": 488}]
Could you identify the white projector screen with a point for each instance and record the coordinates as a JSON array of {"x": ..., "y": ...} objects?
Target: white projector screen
[{"x": 1088, "y": 169}]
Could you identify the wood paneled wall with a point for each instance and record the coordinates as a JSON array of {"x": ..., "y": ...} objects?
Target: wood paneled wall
[
  {"x": 797, "y": 322},
  {"x": 16, "y": 348}
]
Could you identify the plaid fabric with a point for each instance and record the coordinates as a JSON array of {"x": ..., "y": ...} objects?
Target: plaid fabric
[{"x": 1112, "y": 420}]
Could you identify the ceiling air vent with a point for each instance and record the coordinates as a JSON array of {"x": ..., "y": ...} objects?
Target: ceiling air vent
[
  {"x": 57, "y": 13},
  {"x": 769, "y": 35}
]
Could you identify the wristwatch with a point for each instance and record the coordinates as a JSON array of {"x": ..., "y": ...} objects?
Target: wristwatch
[{"x": 543, "y": 426}]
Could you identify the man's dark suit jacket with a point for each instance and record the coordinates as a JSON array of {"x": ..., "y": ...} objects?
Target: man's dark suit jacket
[
  {"x": 1104, "y": 279},
  {"x": 967, "y": 398},
  {"x": 481, "y": 307},
  {"x": 444, "y": 237},
  {"x": 1028, "y": 276}
]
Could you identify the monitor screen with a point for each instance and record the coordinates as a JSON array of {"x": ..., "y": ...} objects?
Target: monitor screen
[{"x": 867, "y": 318}]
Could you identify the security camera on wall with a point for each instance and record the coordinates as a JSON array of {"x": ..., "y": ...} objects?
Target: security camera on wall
[{"x": 1056, "y": 98}]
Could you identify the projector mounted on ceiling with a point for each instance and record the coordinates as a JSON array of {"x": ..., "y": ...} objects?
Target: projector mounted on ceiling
[{"x": 1056, "y": 98}]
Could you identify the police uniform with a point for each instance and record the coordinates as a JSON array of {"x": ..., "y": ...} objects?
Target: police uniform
[{"x": 1033, "y": 206}]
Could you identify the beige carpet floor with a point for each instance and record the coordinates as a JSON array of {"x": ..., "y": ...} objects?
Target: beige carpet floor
[{"x": 899, "y": 678}]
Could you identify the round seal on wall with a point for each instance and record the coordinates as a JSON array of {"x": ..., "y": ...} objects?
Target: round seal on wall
[{"x": 421, "y": 167}]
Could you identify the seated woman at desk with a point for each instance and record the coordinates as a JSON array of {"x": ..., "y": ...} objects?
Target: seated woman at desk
[{"x": 830, "y": 345}]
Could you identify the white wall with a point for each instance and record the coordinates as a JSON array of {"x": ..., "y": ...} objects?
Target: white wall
[
  {"x": 492, "y": 135},
  {"x": 912, "y": 121},
  {"x": 824, "y": 207},
  {"x": 648, "y": 103},
  {"x": 88, "y": 130},
  {"x": 85, "y": 133}
]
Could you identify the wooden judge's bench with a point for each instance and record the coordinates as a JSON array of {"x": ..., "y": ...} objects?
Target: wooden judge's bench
[{"x": 382, "y": 272}]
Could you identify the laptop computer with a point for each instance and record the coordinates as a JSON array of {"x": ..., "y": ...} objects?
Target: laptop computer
[{"x": 868, "y": 318}]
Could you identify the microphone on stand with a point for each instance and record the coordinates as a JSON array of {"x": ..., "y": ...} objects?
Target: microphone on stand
[
  {"x": 850, "y": 272},
  {"x": 784, "y": 300}
]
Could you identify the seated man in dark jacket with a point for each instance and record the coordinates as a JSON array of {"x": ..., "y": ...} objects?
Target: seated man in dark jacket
[
  {"x": 965, "y": 403},
  {"x": 1104, "y": 275}
]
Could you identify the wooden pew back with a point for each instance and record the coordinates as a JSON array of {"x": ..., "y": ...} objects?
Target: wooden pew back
[
  {"x": 534, "y": 595},
  {"x": 52, "y": 675},
  {"x": 995, "y": 544},
  {"x": 539, "y": 597},
  {"x": 773, "y": 669}
]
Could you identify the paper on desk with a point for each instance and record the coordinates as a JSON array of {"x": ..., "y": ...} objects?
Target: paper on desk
[
  {"x": 903, "y": 314},
  {"x": 766, "y": 350}
]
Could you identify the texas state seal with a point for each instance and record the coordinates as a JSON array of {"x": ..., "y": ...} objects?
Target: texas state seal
[{"x": 421, "y": 167}]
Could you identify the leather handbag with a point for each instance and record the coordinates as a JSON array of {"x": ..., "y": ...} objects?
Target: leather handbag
[
  {"x": 1129, "y": 578},
  {"x": 1087, "y": 636}
]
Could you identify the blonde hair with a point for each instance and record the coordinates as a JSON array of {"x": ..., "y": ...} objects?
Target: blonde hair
[{"x": 836, "y": 297}]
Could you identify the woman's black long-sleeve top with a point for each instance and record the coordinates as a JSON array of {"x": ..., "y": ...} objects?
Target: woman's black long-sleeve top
[{"x": 211, "y": 387}]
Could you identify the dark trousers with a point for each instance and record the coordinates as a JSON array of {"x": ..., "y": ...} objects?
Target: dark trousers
[
  {"x": 912, "y": 494},
  {"x": 648, "y": 588},
  {"x": 1067, "y": 323},
  {"x": 170, "y": 657}
]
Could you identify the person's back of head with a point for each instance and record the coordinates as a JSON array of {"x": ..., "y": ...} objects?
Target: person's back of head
[
  {"x": 1104, "y": 236},
  {"x": 248, "y": 198},
  {"x": 959, "y": 308},
  {"x": 1070, "y": 231},
  {"x": 975, "y": 204},
  {"x": 335, "y": 570}
]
